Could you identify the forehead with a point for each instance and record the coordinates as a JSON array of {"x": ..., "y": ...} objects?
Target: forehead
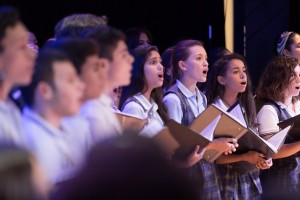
[
  {"x": 297, "y": 68},
  {"x": 62, "y": 69},
  {"x": 236, "y": 63},
  {"x": 15, "y": 35},
  {"x": 195, "y": 50},
  {"x": 121, "y": 46},
  {"x": 296, "y": 38},
  {"x": 153, "y": 54},
  {"x": 143, "y": 36}
]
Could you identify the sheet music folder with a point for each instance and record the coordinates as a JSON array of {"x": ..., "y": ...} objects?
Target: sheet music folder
[
  {"x": 223, "y": 124},
  {"x": 295, "y": 131},
  {"x": 178, "y": 140},
  {"x": 131, "y": 122}
]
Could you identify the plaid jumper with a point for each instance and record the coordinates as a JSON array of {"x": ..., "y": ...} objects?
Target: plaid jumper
[
  {"x": 283, "y": 178},
  {"x": 203, "y": 174}
]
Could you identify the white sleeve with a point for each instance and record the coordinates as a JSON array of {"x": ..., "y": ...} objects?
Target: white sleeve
[
  {"x": 267, "y": 119},
  {"x": 135, "y": 109},
  {"x": 173, "y": 105}
]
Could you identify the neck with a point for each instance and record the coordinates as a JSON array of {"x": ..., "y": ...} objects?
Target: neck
[
  {"x": 4, "y": 90},
  {"x": 48, "y": 114},
  {"x": 229, "y": 98},
  {"x": 147, "y": 94},
  {"x": 190, "y": 84},
  {"x": 288, "y": 101}
]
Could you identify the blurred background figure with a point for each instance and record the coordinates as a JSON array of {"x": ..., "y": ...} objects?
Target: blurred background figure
[
  {"x": 127, "y": 168},
  {"x": 21, "y": 177},
  {"x": 136, "y": 36},
  {"x": 72, "y": 25},
  {"x": 166, "y": 61}
]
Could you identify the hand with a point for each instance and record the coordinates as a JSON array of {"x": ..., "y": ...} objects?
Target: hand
[
  {"x": 265, "y": 164},
  {"x": 226, "y": 145},
  {"x": 254, "y": 157},
  {"x": 195, "y": 156}
]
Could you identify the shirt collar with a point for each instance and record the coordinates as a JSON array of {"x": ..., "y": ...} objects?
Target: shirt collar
[
  {"x": 282, "y": 105},
  {"x": 185, "y": 90},
  {"x": 145, "y": 103},
  {"x": 32, "y": 115}
]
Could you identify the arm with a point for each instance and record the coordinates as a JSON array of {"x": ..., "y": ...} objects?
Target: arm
[
  {"x": 287, "y": 150},
  {"x": 251, "y": 157},
  {"x": 173, "y": 105},
  {"x": 267, "y": 119},
  {"x": 227, "y": 145}
]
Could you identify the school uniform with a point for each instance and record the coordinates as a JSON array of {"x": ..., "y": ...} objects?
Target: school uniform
[
  {"x": 140, "y": 106},
  {"x": 184, "y": 106},
  {"x": 237, "y": 185},
  {"x": 283, "y": 178},
  {"x": 101, "y": 118},
  {"x": 60, "y": 151}
]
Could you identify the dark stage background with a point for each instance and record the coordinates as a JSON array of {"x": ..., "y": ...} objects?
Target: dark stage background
[{"x": 170, "y": 21}]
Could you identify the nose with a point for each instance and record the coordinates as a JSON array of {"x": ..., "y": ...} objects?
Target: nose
[
  {"x": 130, "y": 58},
  {"x": 205, "y": 63},
  {"x": 160, "y": 67},
  {"x": 297, "y": 79},
  {"x": 243, "y": 75}
]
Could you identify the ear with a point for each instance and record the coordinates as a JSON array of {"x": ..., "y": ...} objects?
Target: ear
[
  {"x": 105, "y": 66},
  {"x": 182, "y": 65},
  {"x": 221, "y": 80},
  {"x": 45, "y": 90},
  {"x": 286, "y": 52}
]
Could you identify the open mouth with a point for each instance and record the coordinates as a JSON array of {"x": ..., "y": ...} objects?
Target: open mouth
[
  {"x": 205, "y": 72},
  {"x": 160, "y": 76},
  {"x": 244, "y": 83},
  {"x": 297, "y": 88}
]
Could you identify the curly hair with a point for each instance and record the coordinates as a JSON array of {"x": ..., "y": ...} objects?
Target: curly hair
[{"x": 276, "y": 78}]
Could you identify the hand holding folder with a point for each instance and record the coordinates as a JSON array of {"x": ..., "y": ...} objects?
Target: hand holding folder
[{"x": 215, "y": 122}]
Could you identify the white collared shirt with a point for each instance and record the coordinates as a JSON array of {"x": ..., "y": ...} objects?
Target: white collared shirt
[
  {"x": 267, "y": 117},
  {"x": 10, "y": 123},
  {"x": 102, "y": 120},
  {"x": 148, "y": 110},
  {"x": 60, "y": 151},
  {"x": 173, "y": 104}
]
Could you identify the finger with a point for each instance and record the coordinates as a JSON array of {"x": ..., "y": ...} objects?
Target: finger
[
  {"x": 231, "y": 140},
  {"x": 261, "y": 155},
  {"x": 197, "y": 148}
]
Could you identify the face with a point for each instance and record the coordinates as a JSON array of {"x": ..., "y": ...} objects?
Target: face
[
  {"x": 154, "y": 71},
  {"x": 295, "y": 48},
  {"x": 196, "y": 65},
  {"x": 143, "y": 39},
  {"x": 294, "y": 87},
  {"x": 68, "y": 89},
  {"x": 17, "y": 59},
  {"x": 121, "y": 66},
  {"x": 92, "y": 74},
  {"x": 235, "y": 78}
]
